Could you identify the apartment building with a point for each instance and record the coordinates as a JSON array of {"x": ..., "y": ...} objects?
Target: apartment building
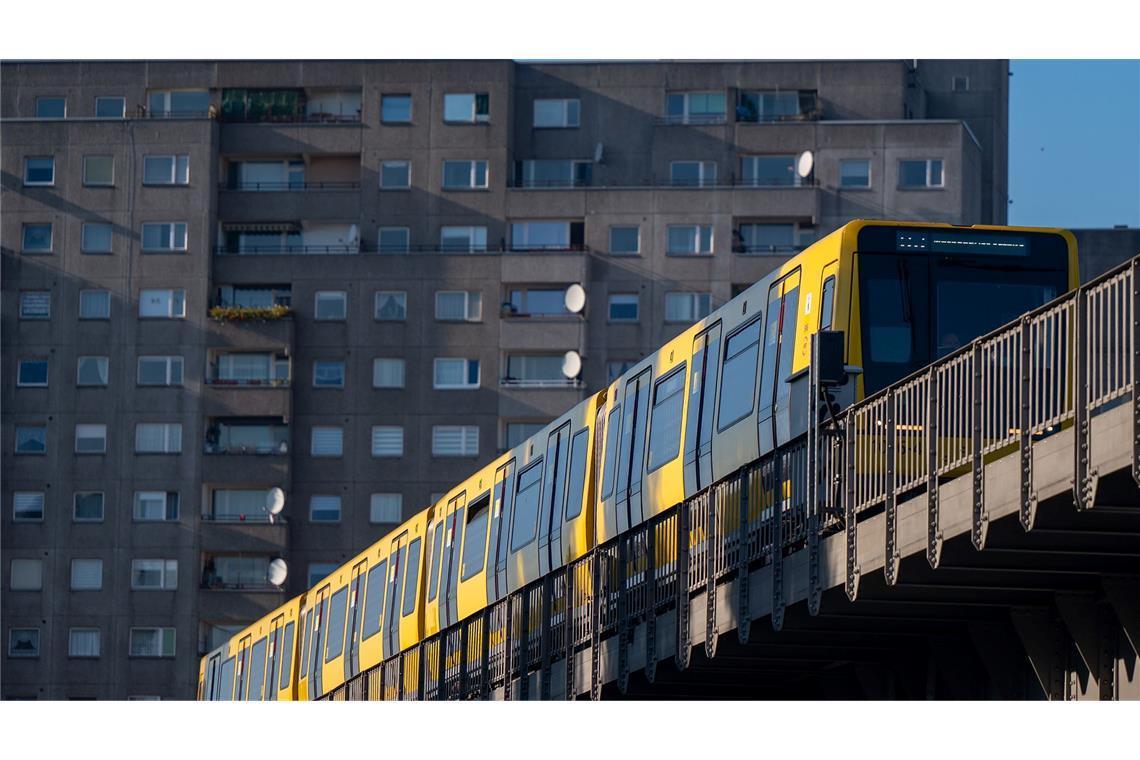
[{"x": 339, "y": 285}]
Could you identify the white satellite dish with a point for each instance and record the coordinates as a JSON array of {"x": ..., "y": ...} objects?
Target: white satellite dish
[
  {"x": 575, "y": 299},
  {"x": 599, "y": 153},
  {"x": 571, "y": 364},
  {"x": 804, "y": 164},
  {"x": 278, "y": 572},
  {"x": 274, "y": 501}
]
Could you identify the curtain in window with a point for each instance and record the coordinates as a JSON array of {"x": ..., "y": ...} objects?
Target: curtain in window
[
  {"x": 83, "y": 642},
  {"x": 86, "y": 573},
  {"x": 388, "y": 373}
]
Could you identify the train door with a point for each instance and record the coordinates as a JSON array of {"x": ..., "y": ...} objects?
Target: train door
[
  {"x": 211, "y": 679},
  {"x": 631, "y": 451},
  {"x": 553, "y": 500},
  {"x": 273, "y": 659},
  {"x": 522, "y": 561},
  {"x": 776, "y": 366},
  {"x": 320, "y": 625},
  {"x": 497, "y": 544},
  {"x": 355, "y": 602},
  {"x": 242, "y": 668},
  {"x": 392, "y": 608},
  {"x": 449, "y": 578},
  {"x": 702, "y": 399},
  {"x": 305, "y": 645}
]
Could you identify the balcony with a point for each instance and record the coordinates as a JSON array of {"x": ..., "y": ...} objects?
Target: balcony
[
  {"x": 253, "y": 536},
  {"x": 290, "y": 105},
  {"x": 251, "y": 334},
  {"x": 767, "y": 107}
]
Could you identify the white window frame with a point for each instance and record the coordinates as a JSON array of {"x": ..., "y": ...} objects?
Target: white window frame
[
  {"x": 85, "y": 247},
  {"x": 610, "y": 302},
  {"x": 476, "y": 118},
  {"x": 529, "y": 165},
  {"x": 75, "y": 507},
  {"x": 706, "y": 173},
  {"x": 171, "y": 437},
  {"x": 411, "y": 107},
  {"x": 700, "y": 251},
  {"x": 88, "y": 182},
  {"x": 91, "y": 292},
  {"x": 476, "y": 238},
  {"x": 20, "y": 371},
  {"x": 25, "y": 299},
  {"x": 397, "y": 361},
  {"x": 71, "y": 574},
  {"x": 104, "y": 364},
  {"x": 175, "y": 302},
  {"x": 387, "y": 429},
  {"x": 870, "y": 178},
  {"x": 568, "y": 120},
  {"x": 322, "y": 430},
  {"x": 51, "y": 97},
  {"x": 169, "y": 363},
  {"x": 39, "y": 183},
  {"x": 472, "y": 174},
  {"x": 166, "y": 112},
  {"x": 71, "y": 648},
  {"x": 327, "y": 295},
  {"x": 24, "y": 237},
  {"x": 386, "y": 508},
  {"x": 16, "y": 631},
  {"x": 524, "y": 226},
  {"x": 138, "y": 514},
  {"x": 167, "y": 570},
  {"x": 797, "y": 180},
  {"x": 179, "y": 169},
  {"x": 405, "y": 248},
  {"x": 313, "y": 507},
  {"x": 31, "y": 566},
  {"x": 402, "y": 296},
  {"x": 161, "y": 632},
  {"x": 407, "y": 164},
  {"x": 122, "y": 106},
  {"x": 36, "y": 496},
  {"x": 466, "y": 434},
  {"x": 465, "y": 385},
  {"x": 558, "y": 381},
  {"x": 929, "y": 167},
  {"x": 472, "y": 305},
  {"x": 687, "y": 116},
  {"x": 90, "y": 429},
  {"x": 170, "y": 235},
  {"x": 18, "y": 428},
  {"x": 343, "y": 372},
  {"x": 694, "y": 298},
  {"x": 635, "y": 252}
]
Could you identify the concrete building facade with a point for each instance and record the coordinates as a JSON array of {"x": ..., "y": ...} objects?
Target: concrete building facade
[{"x": 345, "y": 280}]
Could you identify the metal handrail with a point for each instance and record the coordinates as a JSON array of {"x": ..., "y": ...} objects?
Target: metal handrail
[{"x": 286, "y": 185}]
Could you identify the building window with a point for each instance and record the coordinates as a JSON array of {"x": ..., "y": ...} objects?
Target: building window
[
  {"x": 26, "y": 575},
  {"x": 693, "y": 239},
  {"x": 178, "y": 103},
  {"x": 152, "y": 642},
  {"x": 464, "y": 175},
  {"x": 96, "y": 304},
  {"x": 24, "y": 642},
  {"x": 959, "y": 83},
  {"x": 97, "y": 237},
  {"x": 86, "y": 574},
  {"x": 32, "y": 373},
  {"x": 88, "y": 506},
  {"x": 31, "y": 439},
  {"x": 160, "y": 370},
  {"x": 239, "y": 504},
  {"x": 459, "y": 306},
  {"x": 330, "y": 305},
  {"x": 110, "y": 107},
  {"x": 519, "y": 432},
  {"x": 386, "y": 508},
  {"x": 387, "y": 441},
  {"x": 39, "y": 170},
  {"x": 535, "y": 370},
  {"x": 327, "y": 441},
  {"x": 37, "y": 238},
  {"x": 767, "y": 238},
  {"x": 769, "y": 171},
  {"x": 91, "y": 371},
  {"x": 28, "y": 506},
  {"x": 83, "y": 642},
  {"x": 162, "y": 304},
  {"x": 158, "y": 438},
  {"x": 553, "y": 172},
  {"x": 455, "y": 440},
  {"x": 395, "y": 175},
  {"x": 556, "y": 112},
  {"x": 855, "y": 172},
  {"x": 387, "y": 373},
  {"x": 919, "y": 174},
  {"x": 538, "y": 302},
  {"x": 51, "y": 108},
  {"x": 90, "y": 439},
  {"x": 35, "y": 304},
  {"x": 396, "y": 109},
  {"x": 467, "y": 107},
  {"x": 694, "y": 107},
  {"x": 463, "y": 239},
  {"x": 623, "y": 307},
  {"x": 391, "y": 306},
  {"x": 692, "y": 173},
  {"x": 157, "y": 506},
  {"x": 775, "y": 105},
  {"x": 164, "y": 236},
  {"x": 166, "y": 170},
  {"x": 687, "y": 307},
  {"x": 625, "y": 240},
  {"x": 154, "y": 574},
  {"x": 615, "y": 368},
  {"x": 547, "y": 235},
  {"x": 318, "y": 571},
  {"x": 394, "y": 240},
  {"x": 324, "y": 508},
  {"x": 98, "y": 171},
  {"x": 455, "y": 374},
  {"x": 328, "y": 374}
]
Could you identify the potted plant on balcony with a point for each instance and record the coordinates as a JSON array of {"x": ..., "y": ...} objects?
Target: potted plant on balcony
[{"x": 249, "y": 313}]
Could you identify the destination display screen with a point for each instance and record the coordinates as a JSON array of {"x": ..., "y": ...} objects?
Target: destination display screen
[
  {"x": 952, "y": 241},
  {"x": 1037, "y": 249}
]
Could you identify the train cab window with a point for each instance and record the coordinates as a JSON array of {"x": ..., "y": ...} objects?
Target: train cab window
[
  {"x": 826, "y": 304},
  {"x": 577, "y": 482},
  {"x": 525, "y": 523},
  {"x": 374, "y": 598},
  {"x": 665, "y": 423},
  {"x": 433, "y": 566},
  {"x": 286, "y": 657},
  {"x": 412, "y": 580},
  {"x": 257, "y": 671},
  {"x": 334, "y": 635},
  {"x": 612, "y": 431},
  {"x": 738, "y": 386},
  {"x": 226, "y": 681},
  {"x": 475, "y": 536}
]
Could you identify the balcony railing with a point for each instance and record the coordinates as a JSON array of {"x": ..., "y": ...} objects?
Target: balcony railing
[
  {"x": 767, "y": 250},
  {"x": 511, "y": 382},
  {"x": 297, "y": 117},
  {"x": 693, "y": 119},
  {"x": 256, "y": 518},
  {"x": 255, "y": 382},
  {"x": 287, "y": 249},
  {"x": 217, "y": 584},
  {"x": 287, "y": 186},
  {"x": 475, "y": 250},
  {"x": 722, "y": 183},
  {"x": 269, "y": 448}
]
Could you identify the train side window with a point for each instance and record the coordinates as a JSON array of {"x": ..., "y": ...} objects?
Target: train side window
[
  {"x": 412, "y": 578},
  {"x": 257, "y": 671},
  {"x": 826, "y": 304},
  {"x": 226, "y": 681},
  {"x": 525, "y": 523},
  {"x": 334, "y": 636},
  {"x": 374, "y": 598},
  {"x": 771, "y": 342},
  {"x": 614, "y": 428},
  {"x": 433, "y": 567},
  {"x": 577, "y": 483},
  {"x": 738, "y": 384},
  {"x": 286, "y": 657},
  {"x": 787, "y": 344},
  {"x": 475, "y": 536},
  {"x": 665, "y": 422}
]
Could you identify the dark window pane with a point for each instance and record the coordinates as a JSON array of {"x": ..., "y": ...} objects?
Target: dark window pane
[
  {"x": 413, "y": 577},
  {"x": 525, "y": 522},
  {"x": 335, "y": 628},
  {"x": 738, "y": 386}
]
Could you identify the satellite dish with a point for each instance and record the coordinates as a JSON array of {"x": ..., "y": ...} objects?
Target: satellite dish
[
  {"x": 804, "y": 164},
  {"x": 575, "y": 299},
  {"x": 278, "y": 571},
  {"x": 599, "y": 153},
  {"x": 274, "y": 501},
  {"x": 571, "y": 364}
]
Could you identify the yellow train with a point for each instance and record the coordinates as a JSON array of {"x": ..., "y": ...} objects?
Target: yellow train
[{"x": 724, "y": 392}]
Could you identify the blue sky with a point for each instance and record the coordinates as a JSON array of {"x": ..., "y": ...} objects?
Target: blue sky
[{"x": 1074, "y": 143}]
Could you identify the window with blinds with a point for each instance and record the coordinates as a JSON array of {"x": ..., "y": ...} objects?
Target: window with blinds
[
  {"x": 452, "y": 374},
  {"x": 324, "y": 508},
  {"x": 86, "y": 574},
  {"x": 154, "y": 574},
  {"x": 26, "y": 575},
  {"x": 157, "y": 505},
  {"x": 152, "y": 642},
  {"x": 94, "y": 304},
  {"x": 158, "y": 438},
  {"x": 28, "y": 506},
  {"x": 455, "y": 440},
  {"x": 83, "y": 642},
  {"x": 90, "y": 439},
  {"x": 459, "y": 306},
  {"x": 387, "y": 441},
  {"x": 328, "y": 441},
  {"x": 386, "y": 508},
  {"x": 36, "y": 304},
  {"x": 387, "y": 373}
]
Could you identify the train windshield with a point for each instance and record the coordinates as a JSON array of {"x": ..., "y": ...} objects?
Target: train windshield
[{"x": 922, "y": 299}]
